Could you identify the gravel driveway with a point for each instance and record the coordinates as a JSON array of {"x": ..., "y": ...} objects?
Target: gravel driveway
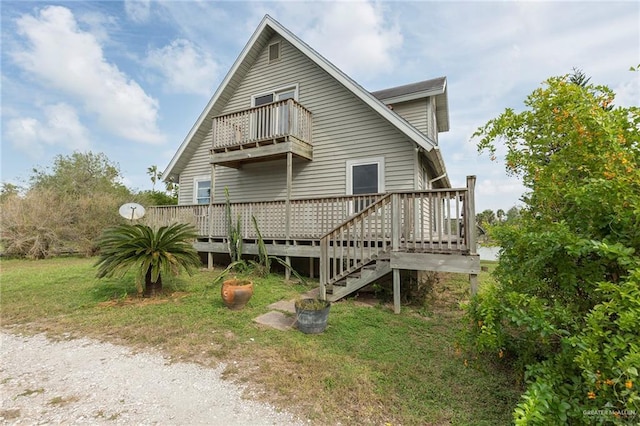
[{"x": 84, "y": 381}]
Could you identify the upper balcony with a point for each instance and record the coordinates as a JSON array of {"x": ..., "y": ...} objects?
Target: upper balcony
[{"x": 262, "y": 133}]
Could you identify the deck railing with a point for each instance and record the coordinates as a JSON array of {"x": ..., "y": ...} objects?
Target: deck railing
[
  {"x": 350, "y": 228},
  {"x": 433, "y": 221},
  {"x": 267, "y": 122},
  {"x": 310, "y": 218}
]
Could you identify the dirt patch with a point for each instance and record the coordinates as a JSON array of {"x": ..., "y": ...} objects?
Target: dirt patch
[{"x": 144, "y": 301}]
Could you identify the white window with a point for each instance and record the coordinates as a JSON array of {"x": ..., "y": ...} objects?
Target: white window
[
  {"x": 280, "y": 94},
  {"x": 272, "y": 121},
  {"x": 202, "y": 190},
  {"x": 365, "y": 176}
]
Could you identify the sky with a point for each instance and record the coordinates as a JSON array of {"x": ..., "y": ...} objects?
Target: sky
[{"x": 130, "y": 79}]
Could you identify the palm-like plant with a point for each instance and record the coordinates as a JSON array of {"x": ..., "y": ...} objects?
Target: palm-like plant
[{"x": 167, "y": 250}]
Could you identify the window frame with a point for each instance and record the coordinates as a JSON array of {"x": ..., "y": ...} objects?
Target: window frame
[
  {"x": 357, "y": 206},
  {"x": 379, "y": 161},
  {"x": 196, "y": 181},
  {"x": 275, "y": 92},
  {"x": 276, "y": 59}
]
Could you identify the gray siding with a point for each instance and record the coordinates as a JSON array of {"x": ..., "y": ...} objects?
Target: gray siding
[
  {"x": 415, "y": 112},
  {"x": 198, "y": 167},
  {"x": 344, "y": 128},
  {"x": 421, "y": 113}
]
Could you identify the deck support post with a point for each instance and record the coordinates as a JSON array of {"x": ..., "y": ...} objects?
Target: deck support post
[
  {"x": 473, "y": 282},
  {"x": 396, "y": 291},
  {"x": 210, "y": 212},
  {"x": 395, "y": 246},
  {"x": 324, "y": 267},
  {"x": 287, "y": 271},
  {"x": 311, "y": 267},
  {"x": 470, "y": 228}
]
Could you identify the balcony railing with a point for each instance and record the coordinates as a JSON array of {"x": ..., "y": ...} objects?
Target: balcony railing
[{"x": 278, "y": 120}]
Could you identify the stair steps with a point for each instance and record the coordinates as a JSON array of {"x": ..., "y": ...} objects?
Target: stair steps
[{"x": 358, "y": 279}]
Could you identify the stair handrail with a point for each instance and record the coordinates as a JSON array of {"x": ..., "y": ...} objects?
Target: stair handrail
[{"x": 329, "y": 274}]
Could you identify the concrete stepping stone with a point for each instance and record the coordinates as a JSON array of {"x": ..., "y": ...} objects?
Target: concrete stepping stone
[
  {"x": 277, "y": 320},
  {"x": 284, "y": 306}
]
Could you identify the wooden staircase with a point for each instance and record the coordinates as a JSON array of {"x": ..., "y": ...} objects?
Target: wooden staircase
[
  {"x": 430, "y": 230},
  {"x": 356, "y": 252},
  {"x": 367, "y": 274}
]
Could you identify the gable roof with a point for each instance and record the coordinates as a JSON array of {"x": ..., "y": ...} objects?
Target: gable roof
[
  {"x": 258, "y": 41},
  {"x": 435, "y": 87}
]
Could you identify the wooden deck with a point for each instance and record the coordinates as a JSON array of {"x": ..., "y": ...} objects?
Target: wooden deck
[{"x": 349, "y": 235}]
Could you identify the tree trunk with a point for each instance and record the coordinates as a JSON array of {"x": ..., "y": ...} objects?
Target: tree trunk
[{"x": 152, "y": 288}]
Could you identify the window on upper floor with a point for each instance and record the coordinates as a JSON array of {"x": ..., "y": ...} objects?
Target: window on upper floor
[
  {"x": 274, "y": 52},
  {"x": 268, "y": 121}
]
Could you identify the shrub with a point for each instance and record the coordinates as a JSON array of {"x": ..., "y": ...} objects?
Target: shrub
[
  {"x": 167, "y": 251},
  {"x": 566, "y": 299}
]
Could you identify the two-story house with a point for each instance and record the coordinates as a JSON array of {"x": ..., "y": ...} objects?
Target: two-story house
[{"x": 353, "y": 181}]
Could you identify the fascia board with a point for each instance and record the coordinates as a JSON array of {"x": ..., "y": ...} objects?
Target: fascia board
[{"x": 412, "y": 96}]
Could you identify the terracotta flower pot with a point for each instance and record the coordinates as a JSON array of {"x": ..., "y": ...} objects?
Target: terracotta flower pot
[{"x": 236, "y": 293}]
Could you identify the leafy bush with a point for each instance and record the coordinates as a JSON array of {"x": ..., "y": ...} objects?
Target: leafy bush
[
  {"x": 566, "y": 300},
  {"x": 45, "y": 222}
]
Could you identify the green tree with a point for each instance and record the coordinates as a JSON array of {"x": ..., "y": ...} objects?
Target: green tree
[
  {"x": 573, "y": 249},
  {"x": 65, "y": 207},
  {"x": 8, "y": 190},
  {"x": 155, "y": 176},
  {"x": 156, "y": 198},
  {"x": 80, "y": 174},
  {"x": 154, "y": 253},
  {"x": 513, "y": 214},
  {"x": 486, "y": 218},
  {"x": 578, "y": 77}
]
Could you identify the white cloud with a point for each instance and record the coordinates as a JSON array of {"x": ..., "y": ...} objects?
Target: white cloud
[
  {"x": 60, "y": 127},
  {"x": 185, "y": 67},
  {"x": 354, "y": 36},
  {"x": 137, "y": 10},
  {"x": 98, "y": 24},
  {"x": 70, "y": 60}
]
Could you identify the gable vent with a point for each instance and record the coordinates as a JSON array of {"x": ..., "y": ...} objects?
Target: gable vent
[{"x": 274, "y": 52}]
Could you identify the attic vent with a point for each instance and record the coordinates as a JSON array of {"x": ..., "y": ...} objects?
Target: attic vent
[{"x": 274, "y": 52}]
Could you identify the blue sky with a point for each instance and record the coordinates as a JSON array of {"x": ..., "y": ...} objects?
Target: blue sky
[{"x": 130, "y": 78}]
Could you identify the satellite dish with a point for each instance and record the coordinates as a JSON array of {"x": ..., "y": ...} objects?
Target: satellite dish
[{"x": 131, "y": 211}]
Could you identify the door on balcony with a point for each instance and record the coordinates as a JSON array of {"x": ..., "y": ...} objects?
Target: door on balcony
[
  {"x": 365, "y": 176},
  {"x": 272, "y": 120}
]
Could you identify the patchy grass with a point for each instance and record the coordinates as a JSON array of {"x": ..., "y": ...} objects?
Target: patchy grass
[{"x": 369, "y": 367}]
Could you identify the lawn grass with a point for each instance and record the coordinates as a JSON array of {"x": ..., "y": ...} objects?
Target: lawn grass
[{"x": 369, "y": 367}]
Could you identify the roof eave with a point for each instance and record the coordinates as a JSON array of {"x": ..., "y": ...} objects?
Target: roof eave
[
  {"x": 174, "y": 169},
  {"x": 169, "y": 172}
]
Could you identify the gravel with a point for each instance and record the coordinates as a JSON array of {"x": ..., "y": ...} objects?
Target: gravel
[{"x": 83, "y": 381}]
